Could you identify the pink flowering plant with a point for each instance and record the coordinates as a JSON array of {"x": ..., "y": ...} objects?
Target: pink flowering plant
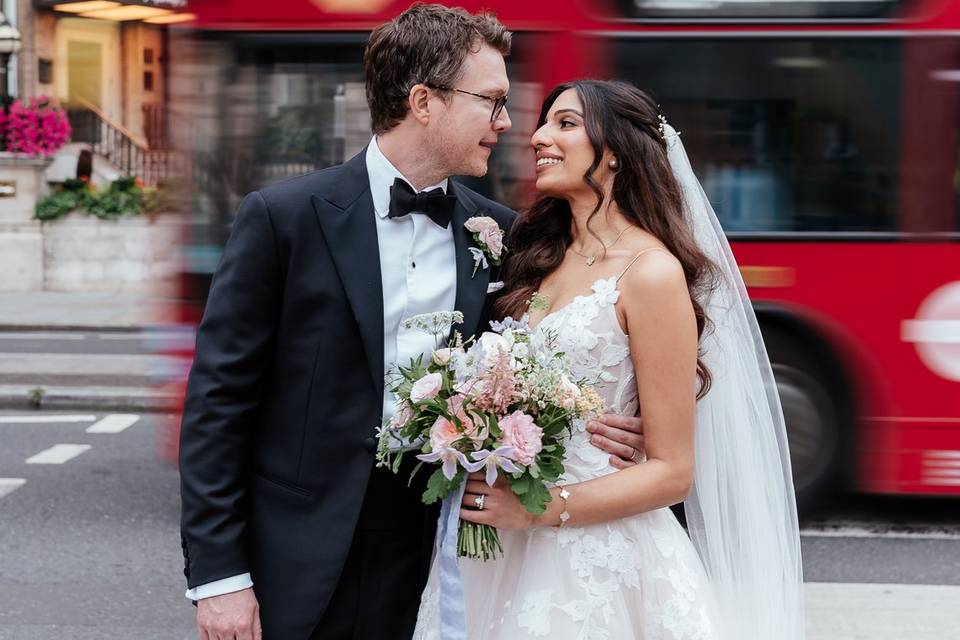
[
  {"x": 37, "y": 127},
  {"x": 500, "y": 404}
]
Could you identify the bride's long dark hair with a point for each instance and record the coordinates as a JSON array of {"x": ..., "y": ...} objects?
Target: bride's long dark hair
[{"x": 625, "y": 120}]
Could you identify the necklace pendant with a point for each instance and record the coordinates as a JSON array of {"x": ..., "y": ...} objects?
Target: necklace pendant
[{"x": 591, "y": 260}]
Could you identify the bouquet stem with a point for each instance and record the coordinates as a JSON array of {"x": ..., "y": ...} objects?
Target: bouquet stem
[{"x": 478, "y": 541}]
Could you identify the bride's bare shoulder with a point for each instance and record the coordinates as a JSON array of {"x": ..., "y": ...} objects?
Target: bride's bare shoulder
[
  {"x": 654, "y": 285},
  {"x": 652, "y": 266}
]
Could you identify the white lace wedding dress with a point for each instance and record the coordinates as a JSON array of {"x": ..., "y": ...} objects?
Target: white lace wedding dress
[{"x": 639, "y": 577}]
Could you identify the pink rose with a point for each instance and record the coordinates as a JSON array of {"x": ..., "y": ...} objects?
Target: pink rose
[
  {"x": 523, "y": 435},
  {"x": 478, "y": 224},
  {"x": 401, "y": 417},
  {"x": 426, "y": 388},
  {"x": 443, "y": 433},
  {"x": 493, "y": 238}
]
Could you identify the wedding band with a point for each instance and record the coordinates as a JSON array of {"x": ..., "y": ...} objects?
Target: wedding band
[
  {"x": 479, "y": 501},
  {"x": 635, "y": 456}
]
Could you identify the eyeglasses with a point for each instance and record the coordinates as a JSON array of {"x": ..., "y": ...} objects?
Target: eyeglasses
[{"x": 498, "y": 102}]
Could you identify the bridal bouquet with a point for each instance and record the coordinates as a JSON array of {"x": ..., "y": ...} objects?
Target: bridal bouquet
[{"x": 501, "y": 404}]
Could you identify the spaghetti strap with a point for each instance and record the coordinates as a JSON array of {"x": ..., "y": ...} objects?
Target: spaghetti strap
[{"x": 636, "y": 257}]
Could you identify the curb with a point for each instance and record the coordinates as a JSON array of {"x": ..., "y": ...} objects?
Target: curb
[
  {"x": 53, "y": 328},
  {"x": 22, "y": 397}
]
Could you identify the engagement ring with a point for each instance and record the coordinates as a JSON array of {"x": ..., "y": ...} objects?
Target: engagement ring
[{"x": 479, "y": 501}]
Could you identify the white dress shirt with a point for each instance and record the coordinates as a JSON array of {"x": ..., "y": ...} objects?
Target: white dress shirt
[{"x": 419, "y": 275}]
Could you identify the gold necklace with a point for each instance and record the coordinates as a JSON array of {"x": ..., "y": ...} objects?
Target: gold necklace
[{"x": 591, "y": 259}]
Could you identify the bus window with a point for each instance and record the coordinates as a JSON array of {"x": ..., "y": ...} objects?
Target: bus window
[
  {"x": 814, "y": 10},
  {"x": 786, "y": 135}
]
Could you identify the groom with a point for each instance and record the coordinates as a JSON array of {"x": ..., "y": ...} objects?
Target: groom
[{"x": 286, "y": 524}]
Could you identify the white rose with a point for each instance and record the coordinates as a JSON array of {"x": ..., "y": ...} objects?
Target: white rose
[
  {"x": 493, "y": 344},
  {"x": 426, "y": 388},
  {"x": 441, "y": 357}
]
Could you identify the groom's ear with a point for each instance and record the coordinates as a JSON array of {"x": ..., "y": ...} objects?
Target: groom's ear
[{"x": 419, "y": 103}]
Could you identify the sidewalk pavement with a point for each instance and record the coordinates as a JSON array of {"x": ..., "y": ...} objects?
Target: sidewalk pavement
[
  {"x": 90, "y": 378},
  {"x": 46, "y": 310}
]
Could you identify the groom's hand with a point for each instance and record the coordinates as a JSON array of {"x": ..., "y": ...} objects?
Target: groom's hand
[
  {"x": 620, "y": 436},
  {"x": 232, "y": 616}
]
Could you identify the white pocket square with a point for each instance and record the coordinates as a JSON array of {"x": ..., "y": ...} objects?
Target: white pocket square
[{"x": 495, "y": 286}]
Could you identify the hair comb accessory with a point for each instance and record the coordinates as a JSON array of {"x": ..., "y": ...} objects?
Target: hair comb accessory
[{"x": 668, "y": 133}]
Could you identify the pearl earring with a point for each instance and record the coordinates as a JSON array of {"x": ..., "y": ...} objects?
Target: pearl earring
[{"x": 614, "y": 164}]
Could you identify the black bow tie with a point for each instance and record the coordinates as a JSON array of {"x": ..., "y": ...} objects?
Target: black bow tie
[{"x": 434, "y": 203}]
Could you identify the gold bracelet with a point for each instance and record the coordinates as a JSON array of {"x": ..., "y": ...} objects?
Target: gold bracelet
[{"x": 564, "y": 515}]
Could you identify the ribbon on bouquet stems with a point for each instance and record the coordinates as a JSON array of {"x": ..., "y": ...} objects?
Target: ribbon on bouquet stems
[{"x": 452, "y": 612}]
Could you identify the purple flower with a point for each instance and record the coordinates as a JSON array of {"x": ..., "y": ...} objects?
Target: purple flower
[
  {"x": 509, "y": 323},
  {"x": 450, "y": 457},
  {"x": 500, "y": 457}
]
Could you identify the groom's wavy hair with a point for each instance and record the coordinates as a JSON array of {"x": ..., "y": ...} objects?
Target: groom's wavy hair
[
  {"x": 625, "y": 120},
  {"x": 426, "y": 44}
]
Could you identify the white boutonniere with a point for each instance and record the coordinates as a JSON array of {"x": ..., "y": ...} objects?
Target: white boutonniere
[{"x": 489, "y": 238}]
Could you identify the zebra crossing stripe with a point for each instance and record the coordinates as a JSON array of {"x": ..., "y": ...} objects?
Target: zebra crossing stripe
[
  {"x": 114, "y": 423},
  {"x": 9, "y": 485},
  {"x": 58, "y": 454}
]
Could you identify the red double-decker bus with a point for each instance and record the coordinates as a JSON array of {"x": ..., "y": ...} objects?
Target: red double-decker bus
[{"x": 824, "y": 132}]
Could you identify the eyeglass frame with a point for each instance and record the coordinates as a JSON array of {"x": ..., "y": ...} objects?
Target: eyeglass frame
[{"x": 499, "y": 104}]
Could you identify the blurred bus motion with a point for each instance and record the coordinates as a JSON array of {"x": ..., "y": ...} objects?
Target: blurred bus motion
[{"x": 825, "y": 133}]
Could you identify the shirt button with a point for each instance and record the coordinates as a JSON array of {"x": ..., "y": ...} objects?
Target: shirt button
[{"x": 370, "y": 444}]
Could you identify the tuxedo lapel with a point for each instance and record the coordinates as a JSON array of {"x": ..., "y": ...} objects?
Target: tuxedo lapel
[
  {"x": 350, "y": 229},
  {"x": 471, "y": 289}
]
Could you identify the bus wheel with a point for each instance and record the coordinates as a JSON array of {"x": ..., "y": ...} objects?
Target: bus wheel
[{"x": 812, "y": 418}]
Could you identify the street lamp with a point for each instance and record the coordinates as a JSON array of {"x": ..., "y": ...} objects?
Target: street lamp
[{"x": 9, "y": 44}]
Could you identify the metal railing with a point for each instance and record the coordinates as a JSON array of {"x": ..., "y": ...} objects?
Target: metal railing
[
  {"x": 155, "y": 126},
  {"x": 130, "y": 153}
]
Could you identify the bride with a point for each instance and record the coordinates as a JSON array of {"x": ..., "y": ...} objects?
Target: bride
[{"x": 629, "y": 270}]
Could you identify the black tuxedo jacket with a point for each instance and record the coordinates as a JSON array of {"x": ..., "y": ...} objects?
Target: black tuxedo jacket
[{"x": 277, "y": 439}]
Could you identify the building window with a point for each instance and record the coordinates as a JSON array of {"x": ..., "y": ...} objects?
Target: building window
[
  {"x": 148, "y": 80},
  {"x": 45, "y": 70},
  {"x": 148, "y": 56}
]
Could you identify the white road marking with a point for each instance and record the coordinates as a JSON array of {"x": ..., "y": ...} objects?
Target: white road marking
[
  {"x": 863, "y": 532},
  {"x": 119, "y": 364},
  {"x": 58, "y": 454},
  {"x": 837, "y": 611},
  {"x": 8, "y": 485},
  {"x": 42, "y": 336},
  {"x": 54, "y": 419},
  {"x": 170, "y": 335},
  {"x": 114, "y": 423}
]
